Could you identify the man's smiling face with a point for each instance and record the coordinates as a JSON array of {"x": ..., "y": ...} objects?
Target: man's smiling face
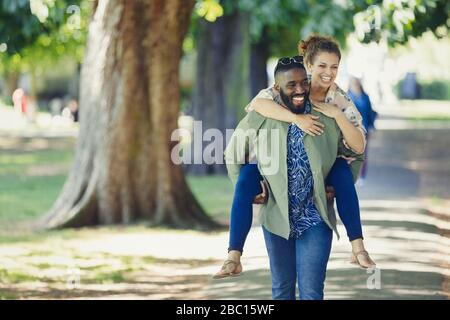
[{"x": 294, "y": 88}]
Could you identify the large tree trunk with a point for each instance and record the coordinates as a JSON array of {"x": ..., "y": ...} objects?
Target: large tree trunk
[
  {"x": 259, "y": 55},
  {"x": 222, "y": 86},
  {"x": 129, "y": 106}
]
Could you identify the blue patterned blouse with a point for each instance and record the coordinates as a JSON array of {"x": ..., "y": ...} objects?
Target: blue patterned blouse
[{"x": 303, "y": 213}]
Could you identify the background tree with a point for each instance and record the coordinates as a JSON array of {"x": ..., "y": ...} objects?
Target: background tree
[
  {"x": 129, "y": 106},
  {"x": 35, "y": 37},
  {"x": 232, "y": 56},
  {"x": 221, "y": 80},
  {"x": 274, "y": 29},
  {"x": 397, "y": 21}
]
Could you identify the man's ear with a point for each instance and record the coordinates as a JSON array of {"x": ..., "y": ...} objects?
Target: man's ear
[{"x": 276, "y": 86}]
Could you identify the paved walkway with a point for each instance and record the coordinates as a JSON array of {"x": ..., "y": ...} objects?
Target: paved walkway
[
  {"x": 406, "y": 217},
  {"x": 409, "y": 175}
]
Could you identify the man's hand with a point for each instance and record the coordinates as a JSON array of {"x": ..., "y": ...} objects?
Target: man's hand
[
  {"x": 309, "y": 124},
  {"x": 262, "y": 197},
  {"x": 328, "y": 109},
  {"x": 330, "y": 193}
]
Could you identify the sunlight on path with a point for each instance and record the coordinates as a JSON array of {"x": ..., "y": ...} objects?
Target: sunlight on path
[{"x": 144, "y": 263}]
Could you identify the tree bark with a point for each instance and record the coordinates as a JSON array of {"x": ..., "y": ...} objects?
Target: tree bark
[
  {"x": 259, "y": 55},
  {"x": 129, "y": 106},
  {"x": 222, "y": 87}
]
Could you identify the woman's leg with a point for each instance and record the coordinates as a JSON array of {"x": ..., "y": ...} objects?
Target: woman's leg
[
  {"x": 341, "y": 179},
  {"x": 247, "y": 187}
]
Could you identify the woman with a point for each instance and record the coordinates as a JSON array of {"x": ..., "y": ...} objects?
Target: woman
[{"x": 322, "y": 57}]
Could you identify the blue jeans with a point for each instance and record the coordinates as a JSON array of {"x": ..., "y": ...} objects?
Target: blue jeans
[
  {"x": 247, "y": 187},
  {"x": 304, "y": 259}
]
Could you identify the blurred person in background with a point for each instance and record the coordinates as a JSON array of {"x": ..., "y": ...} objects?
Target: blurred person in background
[
  {"x": 362, "y": 103},
  {"x": 20, "y": 101},
  {"x": 70, "y": 111}
]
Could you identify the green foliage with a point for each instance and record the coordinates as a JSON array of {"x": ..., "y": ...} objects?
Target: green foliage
[
  {"x": 18, "y": 26},
  {"x": 209, "y": 9},
  {"x": 15, "y": 277},
  {"x": 24, "y": 21},
  {"x": 41, "y": 31},
  {"x": 399, "y": 20},
  {"x": 430, "y": 90},
  {"x": 284, "y": 22},
  {"x": 281, "y": 23},
  {"x": 38, "y": 32},
  {"x": 435, "y": 90}
]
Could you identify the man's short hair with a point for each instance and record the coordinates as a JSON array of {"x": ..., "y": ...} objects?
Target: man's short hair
[{"x": 289, "y": 63}]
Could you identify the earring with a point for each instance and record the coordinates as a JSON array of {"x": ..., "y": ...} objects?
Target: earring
[{"x": 308, "y": 76}]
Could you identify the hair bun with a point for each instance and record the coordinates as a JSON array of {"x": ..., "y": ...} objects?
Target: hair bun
[
  {"x": 310, "y": 41},
  {"x": 314, "y": 44}
]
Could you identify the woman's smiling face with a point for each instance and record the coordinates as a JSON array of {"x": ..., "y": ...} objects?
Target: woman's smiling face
[{"x": 324, "y": 69}]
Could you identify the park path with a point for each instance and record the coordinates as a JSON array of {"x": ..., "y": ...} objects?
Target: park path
[
  {"x": 406, "y": 217},
  {"x": 410, "y": 245}
]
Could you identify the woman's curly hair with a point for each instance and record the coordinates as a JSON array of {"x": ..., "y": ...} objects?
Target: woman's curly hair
[{"x": 316, "y": 44}]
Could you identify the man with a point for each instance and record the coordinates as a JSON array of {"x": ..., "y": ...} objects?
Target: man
[{"x": 297, "y": 222}]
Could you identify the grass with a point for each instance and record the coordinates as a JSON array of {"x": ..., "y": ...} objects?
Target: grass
[
  {"x": 214, "y": 194},
  {"x": 32, "y": 174},
  {"x": 15, "y": 277},
  {"x": 51, "y": 270},
  {"x": 108, "y": 277},
  {"x": 24, "y": 198},
  {"x": 429, "y": 118},
  {"x": 31, "y": 180}
]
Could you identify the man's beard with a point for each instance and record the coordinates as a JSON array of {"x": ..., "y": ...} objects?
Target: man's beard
[{"x": 288, "y": 102}]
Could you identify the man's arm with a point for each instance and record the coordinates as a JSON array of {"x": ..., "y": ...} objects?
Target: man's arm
[{"x": 240, "y": 143}]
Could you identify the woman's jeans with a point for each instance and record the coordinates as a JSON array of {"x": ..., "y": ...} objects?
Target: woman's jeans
[
  {"x": 248, "y": 186},
  {"x": 246, "y": 189},
  {"x": 341, "y": 179},
  {"x": 303, "y": 260}
]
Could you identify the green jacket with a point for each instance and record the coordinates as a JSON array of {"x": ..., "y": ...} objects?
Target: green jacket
[{"x": 271, "y": 153}]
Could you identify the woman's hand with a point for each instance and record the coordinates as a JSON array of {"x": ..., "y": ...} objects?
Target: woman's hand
[
  {"x": 328, "y": 109},
  {"x": 262, "y": 197},
  {"x": 309, "y": 124},
  {"x": 330, "y": 193}
]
